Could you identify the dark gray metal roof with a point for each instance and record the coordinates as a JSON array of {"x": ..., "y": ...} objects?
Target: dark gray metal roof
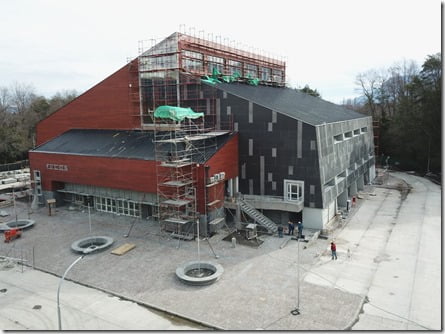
[
  {"x": 114, "y": 144},
  {"x": 291, "y": 102}
]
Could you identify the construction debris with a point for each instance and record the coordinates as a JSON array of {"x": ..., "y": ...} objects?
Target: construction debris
[{"x": 121, "y": 250}]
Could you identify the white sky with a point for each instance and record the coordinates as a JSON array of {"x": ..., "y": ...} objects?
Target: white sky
[{"x": 74, "y": 44}]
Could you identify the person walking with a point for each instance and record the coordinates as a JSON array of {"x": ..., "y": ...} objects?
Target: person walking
[
  {"x": 333, "y": 250},
  {"x": 291, "y": 228}
]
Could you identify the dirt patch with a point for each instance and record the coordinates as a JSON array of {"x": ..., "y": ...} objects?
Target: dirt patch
[{"x": 241, "y": 239}]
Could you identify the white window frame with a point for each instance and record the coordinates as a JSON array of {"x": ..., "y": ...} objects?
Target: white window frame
[
  {"x": 293, "y": 190},
  {"x": 120, "y": 207}
]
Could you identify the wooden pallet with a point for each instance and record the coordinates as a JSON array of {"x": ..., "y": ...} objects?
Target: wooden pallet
[{"x": 121, "y": 250}]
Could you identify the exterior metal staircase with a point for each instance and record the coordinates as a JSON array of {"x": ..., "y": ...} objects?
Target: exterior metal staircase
[{"x": 257, "y": 216}]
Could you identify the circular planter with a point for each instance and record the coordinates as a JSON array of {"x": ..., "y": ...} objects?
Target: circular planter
[
  {"x": 91, "y": 244},
  {"x": 199, "y": 273},
  {"x": 19, "y": 224}
]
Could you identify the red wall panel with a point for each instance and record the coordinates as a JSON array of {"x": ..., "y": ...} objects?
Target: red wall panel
[
  {"x": 111, "y": 104},
  {"x": 132, "y": 174},
  {"x": 129, "y": 174},
  {"x": 225, "y": 160}
]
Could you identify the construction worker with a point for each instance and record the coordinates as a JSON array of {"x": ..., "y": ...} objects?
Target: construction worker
[
  {"x": 300, "y": 229},
  {"x": 333, "y": 250}
]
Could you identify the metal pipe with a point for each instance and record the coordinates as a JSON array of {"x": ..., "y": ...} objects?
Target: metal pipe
[
  {"x": 296, "y": 311},
  {"x": 89, "y": 214},
  {"x": 60, "y": 285},
  {"x": 298, "y": 273}
]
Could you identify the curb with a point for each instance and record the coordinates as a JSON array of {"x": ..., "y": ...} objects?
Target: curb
[
  {"x": 355, "y": 319},
  {"x": 139, "y": 302}
]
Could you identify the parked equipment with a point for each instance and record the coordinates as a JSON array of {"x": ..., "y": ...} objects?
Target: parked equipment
[{"x": 12, "y": 234}]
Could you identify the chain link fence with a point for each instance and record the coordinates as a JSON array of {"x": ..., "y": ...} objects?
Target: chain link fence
[
  {"x": 14, "y": 166},
  {"x": 11, "y": 256}
]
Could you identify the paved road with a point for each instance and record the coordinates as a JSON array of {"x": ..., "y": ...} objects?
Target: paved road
[
  {"x": 394, "y": 262},
  {"x": 28, "y": 302},
  {"x": 394, "y": 258}
]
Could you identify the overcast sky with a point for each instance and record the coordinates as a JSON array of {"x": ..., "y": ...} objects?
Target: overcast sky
[{"x": 65, "y": 44}]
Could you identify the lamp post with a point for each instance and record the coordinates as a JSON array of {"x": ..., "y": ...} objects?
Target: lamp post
[
  {"x": 85, "y": 252},
  {"x": 296, "y": 311}
]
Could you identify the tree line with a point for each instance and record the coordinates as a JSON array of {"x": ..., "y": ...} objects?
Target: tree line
[
  {"x": 406, "y": 101},
  {"x": 21, "y": 108}
]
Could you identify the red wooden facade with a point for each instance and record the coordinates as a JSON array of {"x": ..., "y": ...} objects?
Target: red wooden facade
[
  {"x": 127, "y": 174},
  {"x": 130, "y": 174},
  {"x": 110, "y": 104},
  {"x": 225, "y": 160}
]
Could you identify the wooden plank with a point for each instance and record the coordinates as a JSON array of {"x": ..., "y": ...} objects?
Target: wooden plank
[{"x": 123, "y": 249}]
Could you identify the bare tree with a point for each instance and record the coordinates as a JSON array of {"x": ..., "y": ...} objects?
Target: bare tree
[
  {"x": 5, "y": 99},
  {"x": 22, "y": 96},
  {"x": 369, "y": 84}
]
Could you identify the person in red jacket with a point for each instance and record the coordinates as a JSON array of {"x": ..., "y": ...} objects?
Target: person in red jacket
[{"x": 333, "y": 250}]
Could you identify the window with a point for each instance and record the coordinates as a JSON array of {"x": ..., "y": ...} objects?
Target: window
[
  {"x": 348, "y": 134},
  {"x": 234, "y": 66},
  {"x": 78, "y": 198},
  {"x": 277, "y": 75},
  {"x": 293, "y": 190},
  {"x": 274, "y": 152},
  {"x": 356, "y": 132},
  {"x": 157, "y": 62},
  {"x": 363, "y": 130},
  {"x": 338, "y": 138},
  {"x": 215, "y": 62},
  {"x": 265, "y": 73},
  {"x": 250, "y": 147},
  {"x": 192, "y": 61},
  {"x": 251, "y": 70},
  {"x": 121, "y": 207}
]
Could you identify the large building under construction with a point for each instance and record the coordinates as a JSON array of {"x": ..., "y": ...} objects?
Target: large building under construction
[{"x": 195, "y": 129}]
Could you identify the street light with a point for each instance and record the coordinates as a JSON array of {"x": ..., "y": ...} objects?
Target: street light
[
  {"x": 85, "y": 252},
  {"x": 296, "y": 311}
]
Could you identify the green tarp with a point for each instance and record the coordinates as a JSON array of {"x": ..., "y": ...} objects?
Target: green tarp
[
  {"x": 176, "y": 113},
  {"x": 217, "y": 76}
]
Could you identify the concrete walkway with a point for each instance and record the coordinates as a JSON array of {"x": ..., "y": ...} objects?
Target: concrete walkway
[
  {"x": 28, "y": 302},
  {"x": 259, "y": 287},
  {"x": 405, "y": 293},
  {"x": 394, "y": 258}
]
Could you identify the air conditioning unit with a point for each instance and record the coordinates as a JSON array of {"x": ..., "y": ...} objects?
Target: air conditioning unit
[
  {"x": 222, "y": 175},
  {"x": 212, "y": 179},
  {"x": 216, "y": 176}
]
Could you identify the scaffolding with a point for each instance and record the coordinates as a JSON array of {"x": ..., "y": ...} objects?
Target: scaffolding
[
  {"x": 180, "y": 148},
  {"x": 171, "y": 73}
]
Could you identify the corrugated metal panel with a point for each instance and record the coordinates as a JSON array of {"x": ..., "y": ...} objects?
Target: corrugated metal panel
[
  {"x": 116, "y": 144},
  {"x": 304, "y": 107}
]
